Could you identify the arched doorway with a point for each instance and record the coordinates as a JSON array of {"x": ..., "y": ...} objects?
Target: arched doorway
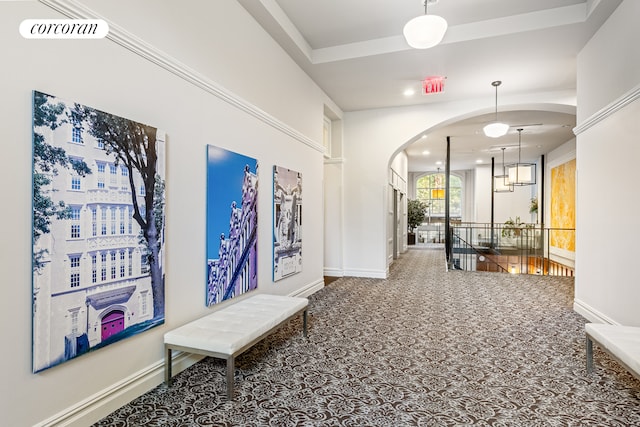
[{"x": 112, "y": 323}]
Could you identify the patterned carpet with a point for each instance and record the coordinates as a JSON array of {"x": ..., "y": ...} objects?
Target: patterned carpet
[{"x": 425, "y": 347}]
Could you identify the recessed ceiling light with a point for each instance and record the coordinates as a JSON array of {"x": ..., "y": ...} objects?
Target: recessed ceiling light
[
  {"x": 409, "y": 92},
  {"x": 426, "y": 152},
  {"x": 438, "y": 162},
  {"x": 424, "y": 136},
  {"x": 479, "y": 161}
]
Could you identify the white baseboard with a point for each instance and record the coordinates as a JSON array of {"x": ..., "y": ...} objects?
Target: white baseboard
[
  {"x": 372, "y": 274},
  {"x": 101, "y": 404},
  {"x": 591, "y": 314},
  {"x": 333, "y": 272},
  {"x": 310, "y": 289}
]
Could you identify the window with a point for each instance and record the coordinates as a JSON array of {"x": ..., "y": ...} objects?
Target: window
[
  {"x": 113, "y": 221},
  {"x": 113, "y": 172},
  {"x": 124, "y": 182},
  {"x": 122, "y": 220},
  {"x": 75, "y": 222},
  {"x": 130, "y": 263},
  {"x": 144, "y": 264},
  {"x": 143, "y": 302},
  {"x": 430, "y": 189},
  {"x": 103, "y": 222},
  {"x": 94, "y": 222},
  {"x": 113, "y": 265},
  {"x": 74, "y": 265},
  {"x": 100, "y": 143},
  {"x": 122, "y": 263},
  {"x": 142, "y": 189},
  {"x": 130, "y": 223},
  {"x": 75, "y": 182},
  {"x": 76, "y": 135},
  {"x": 103, "y": 266},
  {"x": 101, "y": 167},
  {"x": 94, "y": 268},
  {"x": 74, "y": 321}
]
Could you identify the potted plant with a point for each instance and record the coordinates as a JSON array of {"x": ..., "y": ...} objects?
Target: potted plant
[
  {"x": 533, "y": 206},
  {"x": 416, "y": 212},
  {"x": 512, "y": 227}
]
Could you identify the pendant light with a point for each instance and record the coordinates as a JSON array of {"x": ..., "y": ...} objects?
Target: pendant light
[
  {"x": 425, "y": 31},
  {"x": 500, "y": 182},
  {"x": 496, "y": 129},
  {"x": 521, "y": 173}
]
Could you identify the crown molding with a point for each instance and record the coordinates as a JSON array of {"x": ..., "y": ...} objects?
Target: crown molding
[
  {"x": 75, "y": 10},
  {"x": 608, "y": 111}
]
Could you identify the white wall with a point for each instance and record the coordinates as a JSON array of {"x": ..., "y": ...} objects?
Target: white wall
[
  {"x": 607, "y": 162},
  {"x": 226, "y": 47}
]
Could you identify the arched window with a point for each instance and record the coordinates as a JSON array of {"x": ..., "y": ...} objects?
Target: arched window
[{"x": 430, "y": 189}]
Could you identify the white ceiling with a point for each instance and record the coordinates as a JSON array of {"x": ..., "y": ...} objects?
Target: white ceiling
[{"x": 354, "y": 50}]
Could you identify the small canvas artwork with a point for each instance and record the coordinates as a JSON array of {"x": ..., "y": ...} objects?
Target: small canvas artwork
[
  {"x": 98, "y": 229},
  {"x": 287, "y": 222},
  {"x": 232, "y": 224}
]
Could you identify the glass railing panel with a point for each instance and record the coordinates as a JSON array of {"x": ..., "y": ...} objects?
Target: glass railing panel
[{"x": 525, "y": 249}]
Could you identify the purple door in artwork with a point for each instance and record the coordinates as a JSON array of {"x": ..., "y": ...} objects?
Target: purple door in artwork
[{"x": 112, "y": 323}]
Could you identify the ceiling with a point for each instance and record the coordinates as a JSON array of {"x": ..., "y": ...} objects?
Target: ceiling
[{"x": 354, "y": 50}]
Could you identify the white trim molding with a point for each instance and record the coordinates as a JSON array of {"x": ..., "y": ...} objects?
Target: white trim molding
[
  {"x": 118, "y": 35},
  {"x": 590, "y": 313},
  {"x": 371, "y": 274},
  {"x": 334, "y": 161},
  {"x": 608, "y": 111},
  {"x": 309, "y": 289}
]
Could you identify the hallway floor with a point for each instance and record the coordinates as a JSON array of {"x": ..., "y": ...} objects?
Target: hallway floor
[{"x": 425, "y": 347}]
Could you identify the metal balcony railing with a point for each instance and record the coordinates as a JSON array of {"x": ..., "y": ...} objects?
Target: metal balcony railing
[{"x": 517, "y": 249}]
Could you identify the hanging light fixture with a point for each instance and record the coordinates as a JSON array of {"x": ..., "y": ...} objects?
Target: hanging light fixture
[
  {"x": 521, "y": 173},
  {"x": 496, "y": 129},
  {"x": 500, "y": 182},
  {"x": 425, "y": 31}
]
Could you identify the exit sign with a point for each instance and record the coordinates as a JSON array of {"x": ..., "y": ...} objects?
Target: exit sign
[{"x": 433, "y": 84}]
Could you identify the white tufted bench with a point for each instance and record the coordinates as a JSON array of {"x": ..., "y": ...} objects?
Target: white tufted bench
[
  {"x": 228, "y": 332},
  {"x": 621, "y": 342}
]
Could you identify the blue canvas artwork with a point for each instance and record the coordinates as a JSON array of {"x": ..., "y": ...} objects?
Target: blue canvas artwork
[
  {"x": 232, "y": 224},
  {"x": 98, "y": 229},
  {"x": 287, "y": 222}
]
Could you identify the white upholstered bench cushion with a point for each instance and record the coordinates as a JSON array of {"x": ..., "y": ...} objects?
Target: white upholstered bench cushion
[
  {"x": 621, "y": 341},
  {"x": 230, "y": 329}
]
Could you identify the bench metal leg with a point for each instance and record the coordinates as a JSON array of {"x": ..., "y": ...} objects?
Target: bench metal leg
[
  {"x": 167, "y": 366},
  {"x": 589, "y": 351},
  {"x": 304, "y": 323},
  {"x": 230, "y": 372}
]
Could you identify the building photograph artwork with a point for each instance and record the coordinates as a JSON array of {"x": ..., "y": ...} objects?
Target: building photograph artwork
[
  {"x": 232, "y": 224},
  {"x": 98, "y": 229},
  {"x": 287, "y": 222}
]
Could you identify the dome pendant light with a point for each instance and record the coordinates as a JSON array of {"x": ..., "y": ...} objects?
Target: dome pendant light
[
  {"x": 496, "y": 129},
  {"x": 521, "y": 173},
  {"x": 425, "y": 31}
]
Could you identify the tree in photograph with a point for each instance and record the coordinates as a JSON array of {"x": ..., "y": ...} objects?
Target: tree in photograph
[
  {"x": 47, "y": 160},
  {"x": 134, "y": 146}
]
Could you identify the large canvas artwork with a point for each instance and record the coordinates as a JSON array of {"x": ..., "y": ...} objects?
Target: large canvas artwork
[
  {"x": 563, "y": 211},
  {"x": 98, "y": 229},
  {"x": 287, "y": 222},
  {"x": 232, "y": 224}
]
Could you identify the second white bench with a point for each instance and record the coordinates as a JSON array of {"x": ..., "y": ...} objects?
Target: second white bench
[
  {"x": 226, "y": 333},
  {"x": 621, "y": 342}
]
